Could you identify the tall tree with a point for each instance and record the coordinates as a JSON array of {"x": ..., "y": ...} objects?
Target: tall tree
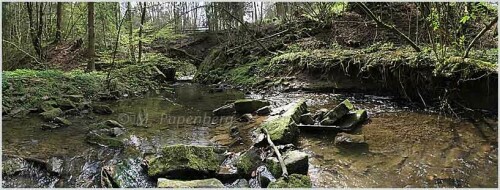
[
  {"x": 143, "y": 18},
  {"x": 91, "y": 37},
  {"x": 130, "y": 32},
  {"x": 58, "y": 22}
]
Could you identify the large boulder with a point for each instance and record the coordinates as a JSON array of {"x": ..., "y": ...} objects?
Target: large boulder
[
  {"x": 295, "y": 161},
  {"x": 224, "y": 110},
  {"x": 185, "y": 162},
  {"x": 283, "y": 128},
  {"x": 338, "y": 112},
  {"x": 204, "y": 183},
  {"x": 293, "y": 181},
  {"x": 51, "y": 114},
  {"x": 249, "y": 105}
]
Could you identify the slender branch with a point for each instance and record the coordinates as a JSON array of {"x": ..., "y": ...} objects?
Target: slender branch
[
  {"x": 277, "y": 152},
  {"x": 392, "y": 28},
  {"x": 260, "y": 39},
  {"x": 485, "y": 29},
  {"x": 22, "y": 51}
]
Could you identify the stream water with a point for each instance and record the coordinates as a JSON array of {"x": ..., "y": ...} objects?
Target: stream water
[{"x": 406, "y": 148}]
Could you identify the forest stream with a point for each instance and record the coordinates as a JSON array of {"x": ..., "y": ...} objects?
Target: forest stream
[{"x": 405, "y": 146}]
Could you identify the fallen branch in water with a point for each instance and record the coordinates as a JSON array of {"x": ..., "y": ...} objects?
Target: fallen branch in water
[{"x": 277, "y": 152}]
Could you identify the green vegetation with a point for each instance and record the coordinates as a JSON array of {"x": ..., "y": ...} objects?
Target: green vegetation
[{"x": 33, "y": 89}]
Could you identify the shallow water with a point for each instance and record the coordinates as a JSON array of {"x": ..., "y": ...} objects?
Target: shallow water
[{"x": 406, "y": 148}]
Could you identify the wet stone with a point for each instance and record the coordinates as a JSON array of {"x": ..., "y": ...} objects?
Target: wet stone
[
  {"x": 249, "y": 105},
  {"x": 48, "y": 126},
  {"x": 102, "y": 109},
  {"x": 245, "y": 118},
  {"x": 113, "y": 123},
  {"x": 224, "y": 110},
  {"x": 351, "y": 120},
  {"x": 307, "y": 119},
  {"x": 346, "y": 140},
  {"x": 239, "y": 183}
]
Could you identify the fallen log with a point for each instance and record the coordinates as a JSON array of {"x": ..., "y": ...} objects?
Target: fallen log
[{"x": 277, "y": 152}]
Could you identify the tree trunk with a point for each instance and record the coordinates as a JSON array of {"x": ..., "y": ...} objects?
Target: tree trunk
[
  {"x": 130, "y": 33},
  {"x": 143, "y": 17},
  {"x": 91, "y": 37},
  {"x": 58, "y": 22},
  {"x": 40, "y": 28},
  {"x": 479, "y": 36},
  {"x": 34, "y": 39}
]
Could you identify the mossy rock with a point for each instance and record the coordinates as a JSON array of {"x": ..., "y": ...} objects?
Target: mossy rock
[
  {"x": 351, "y": 120},
  {"x": 185, "y": 162},
  {"x": 283, "y": 129},
  {"x": 338, "y": 112},
  {"x": 51, "y": 114},
  {"x": 204, "y": 183},
  {"x": 248, "y": 162},
  {"x": 293, "y": 181},
  {"x": 249, "y": 105}
]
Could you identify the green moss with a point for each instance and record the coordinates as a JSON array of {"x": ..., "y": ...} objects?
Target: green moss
[
  {"x": 28, "y": 89},
  {"x": 205, "y": 183},
  {"x": 293, "y": 181},
  {"x": 464, "y": 68},
  {"x": 177, "y": 159},
  {"x": 290, "y": 58},
  {"x": 283, "y": 130},
  {"x": 248, "y": 162}
]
